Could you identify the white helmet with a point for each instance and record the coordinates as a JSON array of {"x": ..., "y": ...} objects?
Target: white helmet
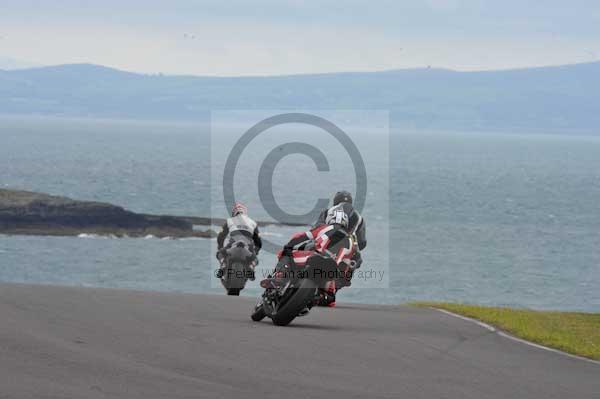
[{"x": 239, "y": 209}]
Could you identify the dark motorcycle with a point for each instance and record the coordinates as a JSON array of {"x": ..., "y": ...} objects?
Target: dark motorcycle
[
  {"x": 238, "y": 265},
  {"x": 300, "y": 288}
]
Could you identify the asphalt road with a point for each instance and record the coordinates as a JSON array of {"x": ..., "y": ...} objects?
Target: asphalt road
[{"x": 58, "y": 342}]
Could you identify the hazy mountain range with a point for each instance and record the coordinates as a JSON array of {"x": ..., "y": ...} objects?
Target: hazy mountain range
[{"x": 561, "y": 97}]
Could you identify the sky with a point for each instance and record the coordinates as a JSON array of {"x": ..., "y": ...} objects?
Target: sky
[{"x": 275, "y": 37}]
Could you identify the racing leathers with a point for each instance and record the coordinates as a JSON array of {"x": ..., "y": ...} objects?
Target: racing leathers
[
  {"x": 234, "y": 226},
  {"x": 303, "y": 245},
  {"x": 356, "y": 226}
]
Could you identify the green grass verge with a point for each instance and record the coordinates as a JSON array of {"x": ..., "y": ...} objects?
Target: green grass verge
[{"x": 576, "y": 333}]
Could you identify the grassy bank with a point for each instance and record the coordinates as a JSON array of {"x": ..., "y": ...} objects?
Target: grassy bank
[{"x": 572, "y": 332}]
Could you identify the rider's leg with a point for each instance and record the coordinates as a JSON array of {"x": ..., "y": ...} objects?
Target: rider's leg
[
  {"x": 346, "y": 279},
  {"x": 221, "y": 257}
]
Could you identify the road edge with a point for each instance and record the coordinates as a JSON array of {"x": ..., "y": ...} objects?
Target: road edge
[{"x": 511, "y": 337}]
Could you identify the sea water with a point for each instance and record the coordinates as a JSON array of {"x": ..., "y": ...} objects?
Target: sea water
[{"x": 488, "y": 218}]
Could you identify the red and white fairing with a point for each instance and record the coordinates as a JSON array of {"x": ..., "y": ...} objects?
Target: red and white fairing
[{"x": 318, "y": 240}]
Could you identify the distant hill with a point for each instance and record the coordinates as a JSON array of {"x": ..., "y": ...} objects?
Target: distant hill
[{"x": 561, "y": 97}]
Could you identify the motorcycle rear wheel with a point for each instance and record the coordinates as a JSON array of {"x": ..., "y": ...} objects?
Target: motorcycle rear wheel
[
  {"x": 235, "y": 279},
  {"x": 302, "y": 296}
]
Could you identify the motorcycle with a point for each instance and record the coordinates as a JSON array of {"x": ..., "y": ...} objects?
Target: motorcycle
[
  {"x": 303, "y": 284},
  {"x": 239, "y": 260}
]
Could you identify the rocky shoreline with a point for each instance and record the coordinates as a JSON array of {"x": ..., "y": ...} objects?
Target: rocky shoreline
[{"x": 31, "y": 213}]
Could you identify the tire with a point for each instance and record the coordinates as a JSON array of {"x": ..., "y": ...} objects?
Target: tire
[
  {"x": 258, "y": 314},
  {"x": 234, "y": 283},
  {"x": 299, "y": 299}
]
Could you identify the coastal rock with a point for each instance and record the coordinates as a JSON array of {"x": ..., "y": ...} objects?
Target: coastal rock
[{"x": 24, "y": 212}]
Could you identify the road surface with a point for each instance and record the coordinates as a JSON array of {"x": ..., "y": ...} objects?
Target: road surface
[{"x": 58, "y": 342}]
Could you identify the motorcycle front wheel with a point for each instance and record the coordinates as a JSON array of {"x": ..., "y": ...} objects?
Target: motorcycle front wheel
[{"x": 259, "y": 313}]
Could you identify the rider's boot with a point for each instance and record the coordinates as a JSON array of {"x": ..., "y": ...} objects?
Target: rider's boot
[
  {"x": 327, "y": 295},
  {"x": 280, "y": 274},
  {"x": 274, "y": 281},
  {"x": 220, "y": 272}
]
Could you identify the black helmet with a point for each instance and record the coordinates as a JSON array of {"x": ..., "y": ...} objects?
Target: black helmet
[{"x": 342, "y": 196}]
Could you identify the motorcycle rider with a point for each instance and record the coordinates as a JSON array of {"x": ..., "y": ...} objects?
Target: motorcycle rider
[
  {"x": 238, "y": 224},
  {"x": 302, "y": 245},
  {"x": 342, "y": 200}
]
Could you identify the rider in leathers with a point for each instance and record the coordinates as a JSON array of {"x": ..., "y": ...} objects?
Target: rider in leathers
[
  {"x": 238, "y": 224},
  {"x": 356, "y": 226},
  {"x": 353, "y": 224}
]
